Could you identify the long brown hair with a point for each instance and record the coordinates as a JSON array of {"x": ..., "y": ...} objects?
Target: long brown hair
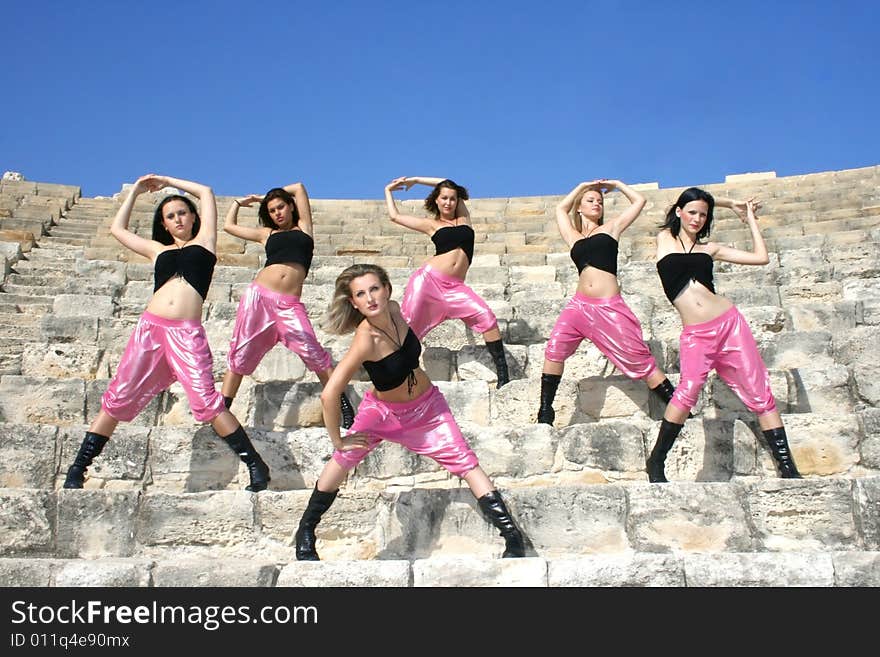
[{"x": 341, "y": 317}]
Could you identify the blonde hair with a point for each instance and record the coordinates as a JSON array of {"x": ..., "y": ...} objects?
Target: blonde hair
[
  {"x": 341, "y": 317},
  {"x": 575, "y": 216}
]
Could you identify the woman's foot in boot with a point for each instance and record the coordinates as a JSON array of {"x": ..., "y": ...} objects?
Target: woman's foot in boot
[
  {"x": 305, "y": 538},
  {"x": 656, "y": 462},
  {"x": 91, "y": 446},
  {"x": 778, "y": 443},
  {"x": 496, "y": 350},
  {"x": 549, "y": 384},
  {"x": 258, "y": 471},
  {"x": 495, "y": 511}
]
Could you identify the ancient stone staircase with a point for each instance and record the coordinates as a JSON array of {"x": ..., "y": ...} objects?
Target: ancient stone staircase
[{"x": 164, "y": 500}]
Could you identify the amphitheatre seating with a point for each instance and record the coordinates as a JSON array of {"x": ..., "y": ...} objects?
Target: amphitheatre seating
[{"x": 165, "y": 499}]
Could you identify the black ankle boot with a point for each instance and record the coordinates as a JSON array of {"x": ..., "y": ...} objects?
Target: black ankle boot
[
  {"x": 656, "y": 461},
  {"x": 347, "y": 411},
  {"x": 496, "y": 350},
  {"x": 779, "y": 448},
  {"x": 305, "y": 539},
  {"x": 549, "y": 384},
  {"x": 239, "y": 442},
  {"x": 91, "y": 446},
  {"x": 494, "y": 510}
]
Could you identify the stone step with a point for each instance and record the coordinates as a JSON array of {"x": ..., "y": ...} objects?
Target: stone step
[
  {"x": 838, "y": 568},
  {"x": 761, "y": 517}
]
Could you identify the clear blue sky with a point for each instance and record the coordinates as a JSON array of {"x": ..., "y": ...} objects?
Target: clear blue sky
[{"x": 508, "y": 98}]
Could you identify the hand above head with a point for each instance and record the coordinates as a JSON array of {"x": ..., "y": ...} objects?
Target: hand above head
[
  {"x": 151, "y": 182},
  {"x": 249, "y": 200},
  {"x": 400, "y": 183},
  {"x": 746, "y": 209}
]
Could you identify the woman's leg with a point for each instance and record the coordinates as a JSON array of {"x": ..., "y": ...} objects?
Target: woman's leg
[
  {"x": 495, "y": 511},
  {"x": 323, "y": 496}
]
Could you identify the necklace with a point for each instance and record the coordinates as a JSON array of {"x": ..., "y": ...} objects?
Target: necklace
[{"x": 397, "y": 343}]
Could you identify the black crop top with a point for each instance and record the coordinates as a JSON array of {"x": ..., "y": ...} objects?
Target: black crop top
[
  {"x": 453, "y": 237},
  {"x": 398, "y": 366},
  {"x": 677, "y": 270},
  {"x": 194, "y": 263},
  {"x": 595, "y": 252},
  {"x": 290, "y": 246}
]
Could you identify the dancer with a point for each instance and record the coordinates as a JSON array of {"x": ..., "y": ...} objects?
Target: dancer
[
  {"x": 597, "y": 312},
  {"x": 169, "y": 342},
  {"x": 714, "y": 334},
  {"x": 403, "y": 407},
  {"x": 270, "y": 310},
  {"x": 437, "y": 291}
]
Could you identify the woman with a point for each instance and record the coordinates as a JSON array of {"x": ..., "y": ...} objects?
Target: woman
[
  {"x": 403, "y": 407},
  {"x": 169, "y": 342},
  {"x": 715, "y": 334},
  {"x": 270, "y": 310},
  {"x": 597, "y": 312},
  {"x": 437, "y": 291}
]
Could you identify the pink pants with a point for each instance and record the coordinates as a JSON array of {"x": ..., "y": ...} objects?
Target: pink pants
[
  {"x": 727, "y": 344},
  {"x": 432, "y": 297},
  {"x": 159, "y": 352},
  {"x": 424, "y": 425},
  {"x": 265, "y": 318},
  {"x": 610, "y": 325}
]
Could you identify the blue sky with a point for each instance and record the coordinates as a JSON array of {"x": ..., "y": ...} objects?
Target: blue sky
[{"x": 508, "y": 98}]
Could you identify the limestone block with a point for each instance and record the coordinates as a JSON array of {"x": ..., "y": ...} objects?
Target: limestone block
[
  {"x": 612, "y": 396},
  {"x": 474, "y": 363},
  {"x": 867, "y": 508},
  {"x": 612, "y": 446},
  {"x": 526, "y": 293},
  {"x": 764, "y": 320},
  {"x": 61, "y": 360},
  {"x": 836, "y": 317},
  {"x": 438, "y": 363},
  {"x": 280, "y": 364},
  {"x": 346, "y": 574},
  {"x": 391, "y": 460},
  {"x": 96, "y": 523},
  {"x": 822, "y": 389},
  {"x": 464, "y": 572},
  {"x": 451, "y": 334},
  {"x": 28, "y": 456},
  {"x": 528, "y": 277},
  {"x": 743, "y": 297},
  {"x": 804, "y": 267},
  {"x": 521, "y": 452},
  {"x": 869, "y": 428},
  {"x": 534, "y": 318},
  {"x": 485, "y": 275},
  {"x": 759, "y": 569},
  {"x": 468, "y": 400},
  {"x": 858, "y": 349},
  {"x": 829, "y": 292},
  {"x": 791, "y": 515},
  {"x": 687, "y": 517},
  {"x": 516, "y": 404},
  {"x": 856, "y": 568},
  {"x": 726, "y": 403},
  {"x": 867, "y": 290},
  {"x": 665, "y": 325},
  {"x": 39, "y": 400},
  {"x": 28, "y": 572},
  {"x": 215, "y": 519},
  {"x": 69, "y": 329},
  {"x": 614, "y": 570},
  {"x": 27, "y": 519},
  {"x": 856, "y": 261},
  {"x": 790, "y": 349},
  {"x": 214, "y": 572},
  {"x": 282, "y": 404}
]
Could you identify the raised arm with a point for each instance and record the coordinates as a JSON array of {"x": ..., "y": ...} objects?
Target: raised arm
[
  {"x": 250, "y": 233},
  {"x": 119, "y": 227},
  {"x": 421, "y": 224},
  {"x": 359, "y": 351},
  {"x": 629, "y": 215},
  {"x": 563, "y": 210},
  {"x": 746, "y": 210},
  {"x": 301, "y": 196}
]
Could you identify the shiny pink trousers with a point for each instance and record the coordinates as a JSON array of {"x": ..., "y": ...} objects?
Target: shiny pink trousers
[
  {"x": 610, "y": 325},
  {"x": 265, "y": 318},
  {"x": 726, "y": 344},
  {"x": 159, "y": 352},
  {"x": 424, "y": 425},
  {"x": 432, "y": 297}
]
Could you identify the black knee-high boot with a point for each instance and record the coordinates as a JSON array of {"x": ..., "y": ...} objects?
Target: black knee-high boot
[
  {"x": 239, "y": 442},
  {"x": 549, "y": 384},
  {"x": 305, "y": 539},
  {"x": 91, "y": 446},
  {"x": 664, "y": 391},
  {"x": 778, "y": 442},
  {"x": 227, "y": 401},
  {"x": 496, "y": 350},
  {"x": 347, "y": 411},
  {"x": 656, "y": 461},
  {"x": 494, "y": 510}
]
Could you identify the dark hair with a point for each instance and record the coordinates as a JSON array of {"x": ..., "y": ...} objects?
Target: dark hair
[
  {"x": 431, "y": 199},
  {"x": 284, "y": 195},
  {"x": 673, "y": 222},
  {"x": 341, "y": 317},
  {"x": 160, "y": 233}
]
